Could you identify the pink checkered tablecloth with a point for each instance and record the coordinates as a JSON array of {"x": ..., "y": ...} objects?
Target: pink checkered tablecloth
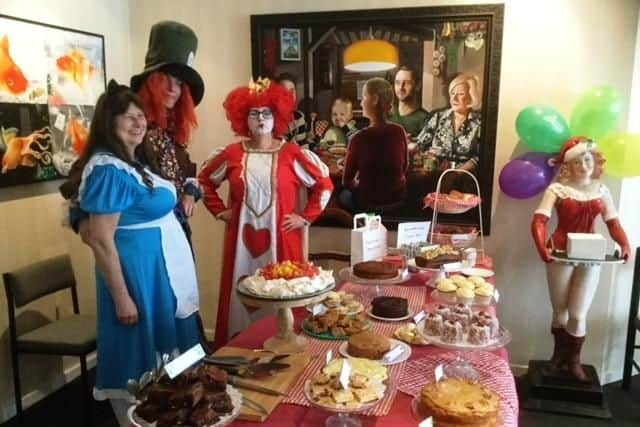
[
  {"x": 494, "y": 374},
  {"x": 318, "y": 348}
]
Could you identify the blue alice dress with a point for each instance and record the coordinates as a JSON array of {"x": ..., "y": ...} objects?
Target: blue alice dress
[{"x": 158, "y": 270}]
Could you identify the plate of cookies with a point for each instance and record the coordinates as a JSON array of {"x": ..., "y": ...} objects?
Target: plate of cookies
[
  {"x": 333, "y": 325},
  {"x": 343, "y": 302},
  {"x": 373, "y": 346},
  {"x": 363, "y": 392},
  {"x": 472, "y": 290}
]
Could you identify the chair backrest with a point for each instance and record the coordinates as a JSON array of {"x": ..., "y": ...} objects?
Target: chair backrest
[
  {"x": 634, "y": 311},
  {"x": 37, "y": 280}
]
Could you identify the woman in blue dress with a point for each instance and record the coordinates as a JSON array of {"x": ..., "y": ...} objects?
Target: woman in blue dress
[{"x": 146, "y": 282}]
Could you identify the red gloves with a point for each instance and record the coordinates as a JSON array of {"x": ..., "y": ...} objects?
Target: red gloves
[
  {"x": 618, "y": 234},
  {"x": 539, "y": 233}
]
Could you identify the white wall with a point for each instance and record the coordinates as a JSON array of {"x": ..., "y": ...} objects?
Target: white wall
[
  {"x": 31, "y": 228},
  {"x": 552, "y": 52}
]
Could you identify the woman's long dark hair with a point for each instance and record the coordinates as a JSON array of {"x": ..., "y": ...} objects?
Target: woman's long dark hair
[{"x": 102, "y": 137}]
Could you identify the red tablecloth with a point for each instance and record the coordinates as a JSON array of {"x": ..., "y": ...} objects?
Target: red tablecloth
[{"x": 296, "y": 415}]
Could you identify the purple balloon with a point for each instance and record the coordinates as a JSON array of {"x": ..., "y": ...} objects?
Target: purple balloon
[
  {"x": 539, "y": 159},
  {"x": 522, "y": 179}
]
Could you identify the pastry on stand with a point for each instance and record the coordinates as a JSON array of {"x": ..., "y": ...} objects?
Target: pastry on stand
[{"x": 284, "y": 286}]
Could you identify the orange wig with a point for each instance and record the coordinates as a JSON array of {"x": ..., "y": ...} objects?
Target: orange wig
[{"x": 153, "y": 93}]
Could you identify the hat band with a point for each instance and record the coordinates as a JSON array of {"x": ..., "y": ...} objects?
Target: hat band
[{"x": 578, "y": 150}]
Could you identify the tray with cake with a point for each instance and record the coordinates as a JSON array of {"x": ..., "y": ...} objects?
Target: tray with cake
[
  {"x": 455, "y": 402},
  {"x": 431, "y": 258},
  {"x": 367, "y": 385},
  {"x": 459, "y": 236},
  {"x": 472, "y": 290},
  {"x": 374, "y": 273},
  {"x": 459, "y": 328},
  {"x": 373, "y": 346},
  {"x": 333, "y": 325},
  {"x": 343, "y": 302},
  {"x": 389, "y": 309},
  {"x": 287, "y": 280},
  {"x": 199, "y": 396}
]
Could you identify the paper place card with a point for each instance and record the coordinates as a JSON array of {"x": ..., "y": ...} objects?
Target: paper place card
[
  {"x": 496, "y": 295},
  {"x": 418, "y": 317},
  {"x": 426, "y": 422},
  {"x": 439, "y": 372},
  {"x": 412, "y": 232},
  {"x": 59, "y": 123},
  {"x": 185, "y": 360},
  {"x": 328, "y": 357},
  {"x": 452, "y": 266},
  {"x": 394, "y": 353},
  {"x": 319, "y": 309},
  {"x": 345, "y": 373}
]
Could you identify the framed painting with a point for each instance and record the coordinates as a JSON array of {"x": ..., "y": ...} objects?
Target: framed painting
[
  {"x": 290, "y": 45},
  {"x": 443, "y": 66},
  {"x": 50, "y": 80}
]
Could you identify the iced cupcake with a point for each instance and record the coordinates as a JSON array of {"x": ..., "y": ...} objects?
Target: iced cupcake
[
  {"x": 477, "y": 280},
  {"x": 446, "y": 290},
  {"x": 467, "y": 284},
  {"x": 465, "y": 295},
  {"x": 484, "y": 293}
]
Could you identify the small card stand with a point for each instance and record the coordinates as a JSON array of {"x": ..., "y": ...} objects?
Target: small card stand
[{"x": 543, "y": 390}]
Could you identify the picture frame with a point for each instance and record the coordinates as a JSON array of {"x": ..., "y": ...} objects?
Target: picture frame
[
  {"x": 290, "y": 44},
  {"x": 438, "y": 44},
  {"x": 46, "y": 106}
]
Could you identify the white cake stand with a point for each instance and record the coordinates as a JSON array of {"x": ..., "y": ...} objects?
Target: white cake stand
[{"x": 286, "y": 341}]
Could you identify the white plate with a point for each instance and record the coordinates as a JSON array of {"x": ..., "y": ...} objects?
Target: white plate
[
  {"x": 406, "y": 351},
  {"x": 475, "y": 271},
  {"x": 391, "y": 319}
]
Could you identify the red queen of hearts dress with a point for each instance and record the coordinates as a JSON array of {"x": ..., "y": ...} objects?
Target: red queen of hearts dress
[{"x": 264, "y": 187}]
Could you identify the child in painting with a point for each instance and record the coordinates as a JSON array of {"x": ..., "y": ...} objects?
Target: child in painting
[{"x": 342, "y": 125}]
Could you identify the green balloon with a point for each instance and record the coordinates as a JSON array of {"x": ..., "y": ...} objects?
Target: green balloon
[
  {"x": 596, "y": 113},
  {"x": 542, "y": 128},
  {"x": 622, "y": 152}
]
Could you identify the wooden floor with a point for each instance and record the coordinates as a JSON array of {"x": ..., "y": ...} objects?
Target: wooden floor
[{"x": 61, "y": 409}]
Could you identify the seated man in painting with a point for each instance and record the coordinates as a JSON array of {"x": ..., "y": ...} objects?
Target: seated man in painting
[
  {"x": 298, "y": 128},
  {"x": 406, "y": 111}
]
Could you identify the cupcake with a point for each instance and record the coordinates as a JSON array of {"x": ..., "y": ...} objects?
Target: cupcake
[
  {"x": 493, "y": 324},
  {"x": 462, "y": 308},
  {"x": 465, "y": 295},
  {"x": 479, "y": 334},
  {"x": 443, "y": 310},
  {"x": 477, "y": 280},
  {"x": 451, "y": 332},
  {"x": 433, "y": 324},
  {"x": 467, "y": 284},
  {"x": 446, "y": 290},
  {"x": 457, "y": 278},
  {"x": 484, "y": 293},
  {"x": 462, "y": 319}
]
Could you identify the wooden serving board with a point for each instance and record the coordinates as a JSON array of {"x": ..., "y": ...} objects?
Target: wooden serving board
[{"x": 282, "y": 381}]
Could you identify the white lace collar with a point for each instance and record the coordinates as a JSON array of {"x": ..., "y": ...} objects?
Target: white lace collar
[{"x": 564, "y": 191}]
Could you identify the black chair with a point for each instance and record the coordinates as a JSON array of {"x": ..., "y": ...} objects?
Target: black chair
[
  {"x": 70, "y": 336},
  {"x": 633, "y": 327}
]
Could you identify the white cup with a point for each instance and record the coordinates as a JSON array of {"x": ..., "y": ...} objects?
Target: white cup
[{"x": 469, "y": 257}]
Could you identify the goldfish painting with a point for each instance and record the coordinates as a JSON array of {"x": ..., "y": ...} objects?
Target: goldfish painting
[
  {"x": 21, "y": 150},
  {"x": 12, "y": 79},
  {"x": 78, "y": 135},
  {"x": 76, "y": 67}
]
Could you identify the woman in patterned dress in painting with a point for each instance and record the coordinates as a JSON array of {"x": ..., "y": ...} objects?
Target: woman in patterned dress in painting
[{"x": 276, "y": 189}]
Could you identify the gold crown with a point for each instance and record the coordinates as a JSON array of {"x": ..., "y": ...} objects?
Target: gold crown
[{"x": 260, "y": 85}]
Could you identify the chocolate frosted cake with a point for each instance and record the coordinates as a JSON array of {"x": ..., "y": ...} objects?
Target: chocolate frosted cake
[
  {"x": 389, "y": 307},
  {"x": 437, "y": 261},
  {"x": 375, "y": 270}
]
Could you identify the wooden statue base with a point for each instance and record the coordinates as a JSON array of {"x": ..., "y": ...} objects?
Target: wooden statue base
[{"x": 558, "y": 392}]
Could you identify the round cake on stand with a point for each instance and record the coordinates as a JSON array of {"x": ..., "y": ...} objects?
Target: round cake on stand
[{"x": 282, "y": 287}]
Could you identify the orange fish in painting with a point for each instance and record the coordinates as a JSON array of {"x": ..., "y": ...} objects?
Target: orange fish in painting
[
  {"x": 78, "y": 135},
  {"x": 76, "y": 67},
  {"x": 19, "y": 151},
  {"x": 11, "y": 78}
]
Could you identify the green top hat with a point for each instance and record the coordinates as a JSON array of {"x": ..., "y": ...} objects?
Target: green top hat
[{"x": 172, "y": 49}]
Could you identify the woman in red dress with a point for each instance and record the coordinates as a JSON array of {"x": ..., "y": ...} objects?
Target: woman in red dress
[
  {"x": 579, "y": 198},
  {"x": 276, "y": 189}
]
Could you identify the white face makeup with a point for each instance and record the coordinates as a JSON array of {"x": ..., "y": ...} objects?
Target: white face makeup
[
  {"x": 582, "y": 166},
  {"x": 260, "y": 121}
]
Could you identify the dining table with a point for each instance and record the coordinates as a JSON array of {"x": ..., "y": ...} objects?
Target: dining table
[{"x": 399, "y": 411}]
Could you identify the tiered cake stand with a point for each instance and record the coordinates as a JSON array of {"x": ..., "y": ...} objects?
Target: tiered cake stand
[{"x": 286, "y": 341}]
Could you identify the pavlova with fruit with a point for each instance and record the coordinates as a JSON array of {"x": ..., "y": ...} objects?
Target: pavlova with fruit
[{"x": 288, "y": 279}]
